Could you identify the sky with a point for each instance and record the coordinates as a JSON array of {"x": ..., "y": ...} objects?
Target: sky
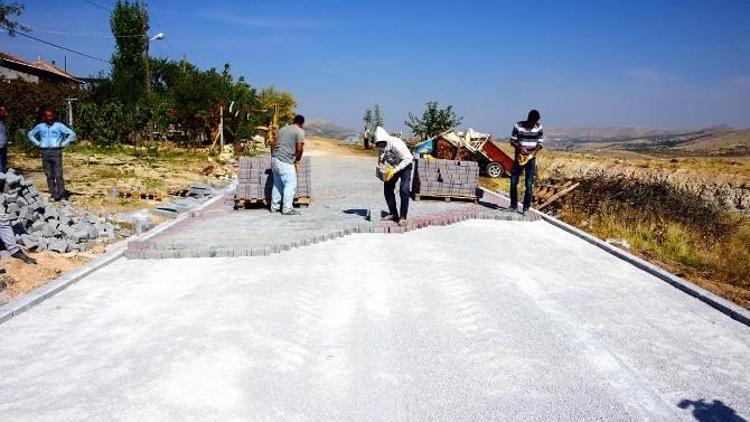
[{"x": 661, "y": 64}]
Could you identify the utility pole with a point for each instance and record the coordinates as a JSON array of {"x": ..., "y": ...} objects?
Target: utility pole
[
  {"x": 69, "y": 109},
  {"x": 147, "y": 40}
]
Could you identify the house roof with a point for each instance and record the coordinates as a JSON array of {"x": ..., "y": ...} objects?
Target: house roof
[{"x": 39, "y": 66}]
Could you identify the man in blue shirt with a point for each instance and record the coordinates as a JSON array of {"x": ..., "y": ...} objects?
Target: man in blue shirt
[
  {"x": 3, "y": 140},
  {"x": 51, "y": 137}
]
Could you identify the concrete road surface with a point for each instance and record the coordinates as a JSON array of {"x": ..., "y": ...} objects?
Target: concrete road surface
[{"x": 481, "y": 320}]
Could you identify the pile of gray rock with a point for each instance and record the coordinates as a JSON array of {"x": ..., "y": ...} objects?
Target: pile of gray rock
[{"x": 41, "y": 226}]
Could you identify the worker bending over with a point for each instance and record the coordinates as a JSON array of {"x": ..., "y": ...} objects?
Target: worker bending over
[
  {"x": 286, "y": 153},
  {"x": 527, "y": 139},
  {"x": 51, "y": 137},
  {"x": 395, "y": 155}
]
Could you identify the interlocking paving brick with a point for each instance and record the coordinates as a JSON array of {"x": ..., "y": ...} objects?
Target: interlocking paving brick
[{"x": 346, "y": 193}]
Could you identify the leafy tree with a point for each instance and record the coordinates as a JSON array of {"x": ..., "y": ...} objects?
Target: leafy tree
[
  {"x": 8, "y": 14},
  {"x": 271, "y": 96},
  {"x": 129, "y": 24},
  {"x": 368, "y": 120},
  {"x": 434, "y": 121},
  {"x": 377, "y": 116}
]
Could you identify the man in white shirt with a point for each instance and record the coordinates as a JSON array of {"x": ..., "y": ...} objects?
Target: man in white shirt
[
  {"x": 394, "y": 153},
  {"x": 3, "y": 140}
]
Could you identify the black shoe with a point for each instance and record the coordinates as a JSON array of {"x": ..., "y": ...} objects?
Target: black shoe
[
  {"x": 292, "y": 212},
  {"x": 23, "y": 257}
]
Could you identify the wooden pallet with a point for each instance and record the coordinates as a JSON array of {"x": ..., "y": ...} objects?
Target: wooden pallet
[
  {"x": 447, "y": 198},
  {"x": 303, "y": 201},
  {"x": 544, "y": 195}
]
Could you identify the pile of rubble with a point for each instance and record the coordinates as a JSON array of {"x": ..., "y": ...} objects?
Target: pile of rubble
[
  {"x": 255, "y": 179},
  {"x": 188, "y": 199},
  {"x": 446, "y": 178},
  {"x": 41, "y": 226}
]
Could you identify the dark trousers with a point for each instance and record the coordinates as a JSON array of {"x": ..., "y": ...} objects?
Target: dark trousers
[
  {"x": 515, "y": 175},
  {"x": 53, "y": 168},
  {"x": 404, "y": 191},
  {"x": 3, "y": 159}
]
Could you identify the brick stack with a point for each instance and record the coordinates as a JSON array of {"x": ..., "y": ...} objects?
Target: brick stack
[
  {"x": 255, "y": 179},
  {"x": 446, "y": 178}
]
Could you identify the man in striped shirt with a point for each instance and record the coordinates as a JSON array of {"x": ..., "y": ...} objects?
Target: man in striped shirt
[{"x": 527, "y": 139}]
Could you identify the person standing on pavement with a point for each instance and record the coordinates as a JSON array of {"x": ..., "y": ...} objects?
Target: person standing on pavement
[
  {"x": 51, "y": 137},
  {"x": 393, "y": 153},
  {"x": 527, "y": 139},
  {"x": 286, "y": 153},
  {"x": 3, "y": 140}
]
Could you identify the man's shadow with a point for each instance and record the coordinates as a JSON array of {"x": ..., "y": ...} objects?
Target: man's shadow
[{"x": 715, "y": 411}]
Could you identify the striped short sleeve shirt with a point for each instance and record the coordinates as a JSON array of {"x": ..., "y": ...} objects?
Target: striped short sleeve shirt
[{"x": 528, "y": 138}]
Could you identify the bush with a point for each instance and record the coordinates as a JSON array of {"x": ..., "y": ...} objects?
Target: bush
[{"x": 111, "y": 123}]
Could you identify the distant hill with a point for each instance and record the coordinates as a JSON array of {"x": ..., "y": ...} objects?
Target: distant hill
[
  {"x": 715, "y": 140},
  {"x": 327, "y": 129}
]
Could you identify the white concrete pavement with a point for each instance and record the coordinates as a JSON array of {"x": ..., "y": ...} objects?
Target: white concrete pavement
[{"x": 481, "y": 320}]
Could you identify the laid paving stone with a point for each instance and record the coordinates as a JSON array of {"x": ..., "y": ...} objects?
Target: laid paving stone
[{"x": 347, "y": 193}]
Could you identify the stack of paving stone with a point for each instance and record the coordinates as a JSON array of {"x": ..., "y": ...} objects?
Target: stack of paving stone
[
  {"x": 255, "y": 179},
  {"x": 445, "y": 178},
  {"x": 40, "y": 226}
]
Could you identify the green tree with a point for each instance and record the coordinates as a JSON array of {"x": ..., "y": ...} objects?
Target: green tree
[
  {"x": 377, "y": 116},
  {"x": 434, "y": 121},
  {"x": 271, "y": 96},
  {"x": 129, "y": 24},
  {"x": 367, "y": 120},
  {"x": 8, "y": 14}
]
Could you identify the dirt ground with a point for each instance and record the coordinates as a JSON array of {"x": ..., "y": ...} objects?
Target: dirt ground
[{"x": 20, "y": 278}]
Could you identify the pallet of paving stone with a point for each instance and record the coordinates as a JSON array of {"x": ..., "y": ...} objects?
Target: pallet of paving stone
[
  {"x": 445, "y": 179},
  {"x": 247, "y": 203},
  {"x": 255, "y": 182}
]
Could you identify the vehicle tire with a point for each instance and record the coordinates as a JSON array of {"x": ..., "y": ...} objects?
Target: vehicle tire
[{"x": 494, "y": 169}]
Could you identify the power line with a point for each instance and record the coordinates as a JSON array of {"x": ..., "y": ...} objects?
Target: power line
[
  {"x": 58, "y": 46},
  {"x": 97, "y": 5}
]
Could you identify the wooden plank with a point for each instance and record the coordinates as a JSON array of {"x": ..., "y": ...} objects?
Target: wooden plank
[{"x": 558, "y": 195}]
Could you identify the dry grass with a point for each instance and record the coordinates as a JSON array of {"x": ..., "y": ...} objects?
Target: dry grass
[{"x": 90, "y": 174}]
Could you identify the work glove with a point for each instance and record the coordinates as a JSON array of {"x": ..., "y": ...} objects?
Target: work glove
[{"x": 389, "y": 173}]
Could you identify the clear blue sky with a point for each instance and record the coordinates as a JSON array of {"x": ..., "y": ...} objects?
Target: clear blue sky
[{"x": 581, "y": 63}]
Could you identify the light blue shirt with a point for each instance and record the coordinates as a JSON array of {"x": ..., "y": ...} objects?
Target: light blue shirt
[
  {"x": 56, "y": 135},
  {"x": 3, "y": 136}
]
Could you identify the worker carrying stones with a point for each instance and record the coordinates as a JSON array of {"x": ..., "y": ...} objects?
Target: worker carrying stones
[
  {"x": 51, "y": 137},
  {"x": 526, "y": 138},
  {"x": 394, "y": 164},
  {"x": 286, "y": 153}
]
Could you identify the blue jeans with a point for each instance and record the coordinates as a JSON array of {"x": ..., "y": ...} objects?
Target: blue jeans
[
  {"x": 3, "y": 159},
  {"x": 284, "y": 183},
  {"x": 515, "y": 175}
]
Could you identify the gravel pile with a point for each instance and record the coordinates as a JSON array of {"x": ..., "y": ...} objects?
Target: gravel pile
[{"x": 41, "y": 226}]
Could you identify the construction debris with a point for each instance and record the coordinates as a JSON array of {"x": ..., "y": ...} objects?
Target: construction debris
[
  {"x": 445, "y": 179},
  {"x": 255, "y": 182},
  {"x": 41, "y": 226},
  {"x": 547, "y": 193},
  {"x": 189, "y": 198}
]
